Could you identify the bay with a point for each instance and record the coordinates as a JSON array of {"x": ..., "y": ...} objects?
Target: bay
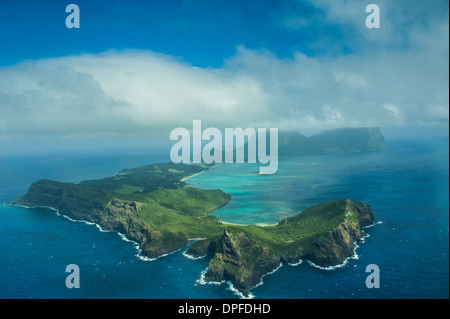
[{"x": 406, "y": 186}]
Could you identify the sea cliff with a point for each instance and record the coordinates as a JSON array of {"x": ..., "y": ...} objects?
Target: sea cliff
[
  {"x": 243, "y": 257},
  {"x": 163, "y": 220}
]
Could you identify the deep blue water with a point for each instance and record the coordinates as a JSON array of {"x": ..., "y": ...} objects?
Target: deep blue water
[{"x": 406, "y": 186}]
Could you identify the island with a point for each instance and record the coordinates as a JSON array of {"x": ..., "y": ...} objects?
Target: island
[
  {"x": 334, "y": 141},
  {"x": 340, "y": 140},
  {"x": 153, "y": 206}
]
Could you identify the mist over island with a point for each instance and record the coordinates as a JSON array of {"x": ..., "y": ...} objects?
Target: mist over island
[
  {"x": 152, "y": 206},
  {"x": 135, "y": 118}
]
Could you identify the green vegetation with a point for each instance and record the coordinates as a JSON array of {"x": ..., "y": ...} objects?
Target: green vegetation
[
  {"x": 148, "y": 178},
  {"x": 152, "y": 206},
  {"x": 185, "y": 210},
  {"x": 166, "y": 210},
  {"x": 127, "y": 189}
]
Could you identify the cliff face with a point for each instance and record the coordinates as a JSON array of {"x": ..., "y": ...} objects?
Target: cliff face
[
  {"x": 123, "y": 216},
  {"x": 339, "y": 243},
  {"x": 343, "y": 140},
  {"x": 333, "y": 248},
  {"x": 100, "y": 207},
  {"x": 243, "y": 259},
  {"x": 324, "y": 234},
  {"x": 238, "y": 259}
]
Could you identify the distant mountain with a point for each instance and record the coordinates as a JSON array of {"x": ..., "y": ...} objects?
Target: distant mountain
[
  {"x": 342, "y": 140},
  {"x": 152, "y": 206},
  {"x": 293, "y": 143}
]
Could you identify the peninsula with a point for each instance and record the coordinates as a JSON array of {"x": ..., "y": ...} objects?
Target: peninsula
[{"x": 153, "y": 206}]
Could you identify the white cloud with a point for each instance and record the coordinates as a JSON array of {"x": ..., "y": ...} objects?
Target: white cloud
[
  {"x": 143, "y": 93},
  {"x": 404, "y": 25},
  {"x": 393, "y": 110},
  {"x": 120, "y": 92}
]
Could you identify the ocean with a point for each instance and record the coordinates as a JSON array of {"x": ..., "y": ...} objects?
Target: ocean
[{"x": 406, "y": 186}]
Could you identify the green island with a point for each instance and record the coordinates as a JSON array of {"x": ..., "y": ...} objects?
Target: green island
[{"x": 153, "y": 206}]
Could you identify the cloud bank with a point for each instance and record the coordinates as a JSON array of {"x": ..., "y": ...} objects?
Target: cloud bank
[{"x": 394, "y": 78}]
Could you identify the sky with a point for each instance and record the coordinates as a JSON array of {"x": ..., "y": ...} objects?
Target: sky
[{"x": 138, "y": 69}]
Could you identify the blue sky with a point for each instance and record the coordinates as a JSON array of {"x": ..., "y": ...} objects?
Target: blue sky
[
  {"x": 141, "y": 68},
  {"x": 201, "y": 32}
]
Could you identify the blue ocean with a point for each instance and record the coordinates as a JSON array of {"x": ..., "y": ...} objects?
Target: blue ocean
[{"x": 406, "y": 186}]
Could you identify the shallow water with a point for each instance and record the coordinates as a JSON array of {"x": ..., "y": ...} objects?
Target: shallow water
[{"x": 406, "y": 186}]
